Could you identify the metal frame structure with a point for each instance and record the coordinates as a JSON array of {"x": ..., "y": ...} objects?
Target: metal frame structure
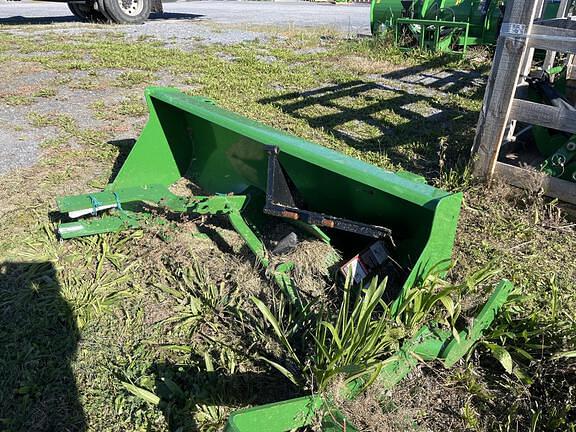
[
  {"x": 505, "y": 103},
  {"x": 430, "y": 36}
]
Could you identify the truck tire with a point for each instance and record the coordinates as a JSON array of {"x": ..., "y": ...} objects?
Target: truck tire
[
  {"x": 86, "y": 12},
  {"x": 127, "y": 11}
]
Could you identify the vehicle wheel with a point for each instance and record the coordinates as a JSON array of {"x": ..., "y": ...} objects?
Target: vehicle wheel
[
  {"x": 102, "y": 9},
  {"x": 86, "y": 12},
  {"x": 128, "y": 11}
]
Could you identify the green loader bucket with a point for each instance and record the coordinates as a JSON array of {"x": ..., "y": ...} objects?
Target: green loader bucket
[
  {"x": 257, "y": 176},
  {"x": 243, "y": 163}
]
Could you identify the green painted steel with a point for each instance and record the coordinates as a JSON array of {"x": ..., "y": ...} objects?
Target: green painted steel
[
  {"x": 277, "y": 417},
  {"x": 159, "y": 195},
  {"x": 225, "y": 153},
  {"x": 121, "y": 222},
  {"x": 442, "y": 25},
  {"x": 289, "y": 415},
  {"x": 547, "y": 140},
  {"x": 482, "y": 17},
  {"x": 433, "y": 34},
  {"x": 556, "y": 163},
  {"x": 123, "y": 202},
  {"x": 457, "y": 348}
]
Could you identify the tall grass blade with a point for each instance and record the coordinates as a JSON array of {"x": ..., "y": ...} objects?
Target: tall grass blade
[{"x": 143, "y": 394}]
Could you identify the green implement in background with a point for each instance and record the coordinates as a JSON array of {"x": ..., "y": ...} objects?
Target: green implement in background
[{"x": 442, "y": 25}]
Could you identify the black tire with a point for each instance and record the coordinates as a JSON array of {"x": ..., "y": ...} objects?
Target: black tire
[
  {"x": 100, "y": 6},
  {"x": 127, "y": 11},
  {"x": 86, "y": 12},
  {"x": 78, "y": 10},
  {"x": 102, "y": 9}
]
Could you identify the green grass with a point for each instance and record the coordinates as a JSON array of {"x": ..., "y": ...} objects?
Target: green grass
[
  {"x": 134, "y": 78},
  {"x": 45, "y": 93},
  {"x": 129, "y": 107},
  {"x": 131, "y": 332},
  {"x": 15, "y": 100}
]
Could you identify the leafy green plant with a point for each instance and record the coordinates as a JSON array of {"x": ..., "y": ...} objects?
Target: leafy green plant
[
  {"x": 358, "y": 339},
  {"x": 359, "y": 335},
  {"x": 286, "y": 326},
  {"x": 142, "y": 393},
  {"x": 421, "y": 300},
  {"x": 365, "y": 331},
  {"x": 131, "y": 78},
  {"x": 523, "y": 335}
]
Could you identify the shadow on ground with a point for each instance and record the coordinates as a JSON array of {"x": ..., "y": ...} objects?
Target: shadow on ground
[
  {"x": 38, "y": 340},
  {"x": 402, "y": 116},
  {"x": 187, "y": 391},
  {"x": 124, "y": 147},
  {"x": 22, "y": 20},
  {"x": 448, "y": 81}
]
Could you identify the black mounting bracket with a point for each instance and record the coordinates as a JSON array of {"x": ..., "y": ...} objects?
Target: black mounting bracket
[{"x": 280, "y": 201}]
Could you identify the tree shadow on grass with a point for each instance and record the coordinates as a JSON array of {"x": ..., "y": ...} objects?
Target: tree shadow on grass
[
  {"x": 38, "y": 339},
  {"x": 414, "y": 126},
  {"x": 448, "y": 81}
]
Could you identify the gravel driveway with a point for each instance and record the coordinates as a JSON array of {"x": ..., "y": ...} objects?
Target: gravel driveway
[
  {"x": 354, "y": 18},
  {"x": 182, "y": 26}
]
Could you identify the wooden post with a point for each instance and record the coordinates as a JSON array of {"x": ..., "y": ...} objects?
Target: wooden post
[
  {"x": 551, "y": 55},
  {"x": 524, "y": 71},
  {"x": 501, "y": 87}
]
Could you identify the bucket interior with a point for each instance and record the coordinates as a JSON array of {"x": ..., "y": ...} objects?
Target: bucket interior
[{"x": 223, "y": 153}]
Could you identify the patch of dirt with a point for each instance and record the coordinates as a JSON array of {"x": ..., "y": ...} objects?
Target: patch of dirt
[
  {"x": 20, "y": 70},
  {"x": 185, "y": 242},
  {"x": 224, "y": 256},
  {"x": 429, "y": 400},
  {"x": 186, "y": 188},
  {"x": 315, "y": 265},
  {"x": 155, "y": 312},
  {"x": 368, "y": 412}
]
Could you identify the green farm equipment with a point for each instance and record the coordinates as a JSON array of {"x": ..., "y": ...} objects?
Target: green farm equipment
[
  {"x": 442, "y": 25},
  {"x": 559, "y": 148},
  {"x": 257, "y": 176}
]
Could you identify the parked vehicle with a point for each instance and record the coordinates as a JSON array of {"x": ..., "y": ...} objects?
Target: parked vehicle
[{"x": 114, "y": 11}]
